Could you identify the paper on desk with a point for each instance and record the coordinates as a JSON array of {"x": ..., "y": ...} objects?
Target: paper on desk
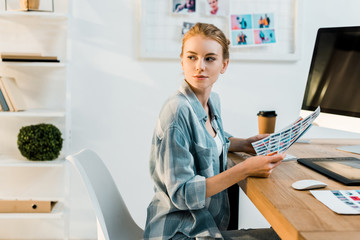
[
  {"x": 280, "y": 141},
  {"x": 340, "y": 201}
]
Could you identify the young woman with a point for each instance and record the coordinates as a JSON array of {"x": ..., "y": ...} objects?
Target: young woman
[{"x": 189, "y": 151}]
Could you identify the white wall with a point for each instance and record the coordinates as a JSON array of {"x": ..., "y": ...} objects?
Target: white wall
[{"x": 116, "y": 97}]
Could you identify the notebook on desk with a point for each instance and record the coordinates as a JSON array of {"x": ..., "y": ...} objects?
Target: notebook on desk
[{"x": 343, "y": 169}]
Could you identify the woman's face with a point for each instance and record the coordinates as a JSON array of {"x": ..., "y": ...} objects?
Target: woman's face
[
  {"x": 202, "y": 62},
  {"x": 213, "y": 4}
]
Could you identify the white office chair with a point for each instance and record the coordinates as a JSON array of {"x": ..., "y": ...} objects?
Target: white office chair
[{"x": 113, "y": 218}]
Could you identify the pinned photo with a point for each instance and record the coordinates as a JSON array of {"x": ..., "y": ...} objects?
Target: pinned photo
[
  {"x": 264, "y": 36},
  {"x": 183, "y": 6},
  {"x": 265, "y": 20},
  {"x": 217, "y": 7},
  {"x": 186, "y": 27},
  {"x": 241, "y": 21},
  {"x": 240, "y": 37}
]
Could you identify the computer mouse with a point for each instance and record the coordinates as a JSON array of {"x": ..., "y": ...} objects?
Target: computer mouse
[{"x": 308, "y": 184}]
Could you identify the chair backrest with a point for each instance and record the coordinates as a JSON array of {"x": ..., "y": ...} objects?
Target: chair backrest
[{"x": 111, "y": 212}]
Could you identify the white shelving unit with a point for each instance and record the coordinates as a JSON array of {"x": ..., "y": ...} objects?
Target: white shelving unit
[
  {"x": 34, "y": 64},
  {"x": 56, "y": 213},
  {"x": 45, "y": 15},
  {"x": 13, "y": 161},
  {"x": 41, "y": 113},
  {"x": 45, "y": 90}
]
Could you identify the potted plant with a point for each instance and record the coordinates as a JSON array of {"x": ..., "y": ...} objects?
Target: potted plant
[{"x": 40, "y": 142}]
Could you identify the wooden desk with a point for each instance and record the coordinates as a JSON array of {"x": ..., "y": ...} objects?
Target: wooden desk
[{"x": 297, "y": 214}]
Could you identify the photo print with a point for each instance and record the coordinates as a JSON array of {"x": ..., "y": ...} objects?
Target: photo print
[
  {"x": 186, "y": 27},
  {"x": 264, "y": 36},
  {"x": 217, "y": 7},
  {"x": 183, "y": 6},
  {"x": 252, "y": 29},
  {"x": 281, "y": 141},
  {"x": 241, "y": 22},
  {"x": 265, "y": 20},
  {"x": 242, "y": 37}
]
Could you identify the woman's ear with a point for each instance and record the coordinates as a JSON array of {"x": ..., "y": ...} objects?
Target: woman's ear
[{"x": 225, "y": 65}]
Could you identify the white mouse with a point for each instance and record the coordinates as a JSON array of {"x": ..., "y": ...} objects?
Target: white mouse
[{"x": 308, "y": 184}]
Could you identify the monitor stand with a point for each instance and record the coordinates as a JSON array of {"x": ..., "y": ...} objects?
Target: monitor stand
[{"x": 352, "y": 149}]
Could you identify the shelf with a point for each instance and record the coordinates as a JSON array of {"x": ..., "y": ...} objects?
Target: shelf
[
  {"x": 48, "y": 15},
  {"x": 34, "y": 64},
  {"x": 44, "y": 113},
  {"x": 56, "y": 213},
  {"x": 11, "y": 161},
  {"x": 46, "y": 90}
]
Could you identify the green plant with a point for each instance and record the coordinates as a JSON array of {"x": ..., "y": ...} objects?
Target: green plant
[{"x": 40, "y": 142}]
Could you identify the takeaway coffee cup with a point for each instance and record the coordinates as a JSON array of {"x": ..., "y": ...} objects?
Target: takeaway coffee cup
[{"x": 266, "y": 121}]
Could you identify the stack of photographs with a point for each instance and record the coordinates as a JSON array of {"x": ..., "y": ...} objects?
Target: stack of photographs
[{"x": 280, "y": 141}]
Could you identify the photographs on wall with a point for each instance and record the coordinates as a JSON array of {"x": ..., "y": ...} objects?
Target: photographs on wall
[
  {"x": 186, "y": 27},
  {"x": 264, "y": 36},
  {"x": 242, "y": 38},
  {"x": 208, "y": 7},
  {"x": 241, "y": 22},
  {"x": 183, "y": 6},
  {"x": 217, "y": 7},
  {"x": 241, "y": 30},
  {"x": 265, "y": 20},
  {"x": 252, "y": 29}
]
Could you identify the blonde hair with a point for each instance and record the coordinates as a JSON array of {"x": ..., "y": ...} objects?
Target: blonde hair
[{"x": 208, "y": 31}]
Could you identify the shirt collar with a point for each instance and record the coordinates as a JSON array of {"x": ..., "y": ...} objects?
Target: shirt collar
[
  {"x": 212, "y": 108},
  {"x": 195, "y": 103}
]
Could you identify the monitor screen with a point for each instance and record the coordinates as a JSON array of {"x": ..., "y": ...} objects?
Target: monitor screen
[{"x": 334, "y": 77}]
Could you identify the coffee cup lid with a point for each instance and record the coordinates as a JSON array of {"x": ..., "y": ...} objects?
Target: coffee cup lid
[{"x": 267, "y": 113}]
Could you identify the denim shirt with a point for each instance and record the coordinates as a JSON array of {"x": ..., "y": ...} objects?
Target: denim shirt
[{"x": 183, "y": 155}]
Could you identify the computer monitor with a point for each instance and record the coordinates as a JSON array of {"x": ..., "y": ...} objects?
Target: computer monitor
[{"x": 334, "y": 79}]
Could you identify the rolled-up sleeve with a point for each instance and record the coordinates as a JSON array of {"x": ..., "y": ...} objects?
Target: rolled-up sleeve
[
  {"x": 186, "y": 189},
  {"x": 227, "y": 135}
]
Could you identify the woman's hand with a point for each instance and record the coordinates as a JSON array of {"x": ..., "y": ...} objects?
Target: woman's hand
[
  {"x": 244, "y": 145},
  {"x": 258, "y": 166},
  {"x": 249, "y": 147},
  {"x": 261, "y": 166}
]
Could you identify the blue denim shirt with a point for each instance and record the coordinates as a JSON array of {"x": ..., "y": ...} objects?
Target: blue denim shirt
[{"x": 183, "y": 155}]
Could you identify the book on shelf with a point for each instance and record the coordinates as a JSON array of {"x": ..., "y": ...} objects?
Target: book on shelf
[
  {"x": 3, "y": 103},
  {"x": 23, "y": 54},
  {"x": 29, "y": 60},
  {"x": 27, "y": 57},
  {"x": 7, "y": 106},
  {"x": 12, "y": 95}
]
